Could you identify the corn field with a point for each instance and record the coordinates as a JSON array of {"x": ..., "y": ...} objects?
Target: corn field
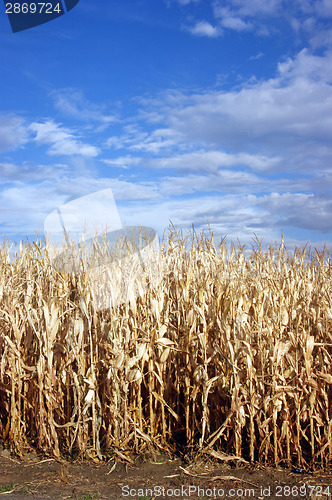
[{"x": 230, "y": 355}]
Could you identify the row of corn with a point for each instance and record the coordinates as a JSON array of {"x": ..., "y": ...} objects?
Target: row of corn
[{"x": 230, "y": 353}]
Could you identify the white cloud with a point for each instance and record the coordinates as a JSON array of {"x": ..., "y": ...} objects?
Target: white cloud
[
  {"x": 257, "y": 56},
  {"x": 294, "y": 110},
  {"x": 252, "y": 8},
  {"x": 186, "y": 2},
  {"x": 322, "y": 38},
  {"x": 137, "y": 140},
  {"x": 324, "y": 8},
  {"x": 26, "y": 204},
  {"x": 228, "y": 19},
  {"x": 306, "y": 211},
  {"x": 235, "y": 23},
  {"x": 269, "y": 138},
  {"x": 29, "y": 171},
  {"x": 199, "y": 160},
  {"x": 157, "y": 141},
  {"x": 215, "y": 171},
  {"x": 212, "y": 161},
  {"x": 49, "y": 132},
  {"x": 260, "y": 15},
  {"x": 254, "y": 158},
  {"x": 62, "y": 140},
  {"x": 203, "y": 28},
  {"x": 218, "y": 196},
  {"x": 143, "y": 190},
  {"x": 14, "y": 132},
  {"x": 122, "y": 161},
  {"x": 241, "y": 15},
  {"x": 72, "y": 103},
  {"x": 308, "y": 66}
]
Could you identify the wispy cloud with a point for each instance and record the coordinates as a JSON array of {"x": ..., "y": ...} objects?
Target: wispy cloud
[
  {"x": 257, "y": 56},
  {"x": 63, "y": 141},
  {"x": 255, "y": 158},
  {"x": 255, "y": 7},
  {"x": 324, "y": 8},
  {"x": 14, "y": 132},
  {"x": 185, "y": 2},
  {"x": 259, "y": 17},
  {"x": 154, "y": 142},
  {"x": 208, "y": 161},
  {"x": 29, "y": 171},
  {"x": 73, "y": 103}
]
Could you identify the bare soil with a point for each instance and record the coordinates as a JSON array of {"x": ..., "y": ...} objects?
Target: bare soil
[{"x": 44, "y": 478}]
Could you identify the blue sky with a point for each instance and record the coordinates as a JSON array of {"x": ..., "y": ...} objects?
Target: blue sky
[{"x": 196, "y": 111}]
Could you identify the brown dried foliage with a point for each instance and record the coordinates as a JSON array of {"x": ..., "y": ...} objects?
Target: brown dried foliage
[{"x": 230, "y": 353}]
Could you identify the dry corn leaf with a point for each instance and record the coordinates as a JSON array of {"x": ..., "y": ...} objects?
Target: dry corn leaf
[
  {"x": 134, "y": 375},
  {"x": 164, "y": 341},
  {"x": 325, "y": 376}
]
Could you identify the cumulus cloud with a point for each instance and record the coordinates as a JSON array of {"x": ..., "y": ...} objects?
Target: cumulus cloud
[
  {"x": 63, "y": 141},
  {"x": 229, "y": 19},
  {"x": 302, "y": 210},
  {"x": 294, "y": 109},
  {"x": 203, "y": 28},
  {"x": 254, "y": 158}
]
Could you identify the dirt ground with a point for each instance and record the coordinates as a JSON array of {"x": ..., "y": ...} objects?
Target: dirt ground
[{"x": 145, "y": 479}]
